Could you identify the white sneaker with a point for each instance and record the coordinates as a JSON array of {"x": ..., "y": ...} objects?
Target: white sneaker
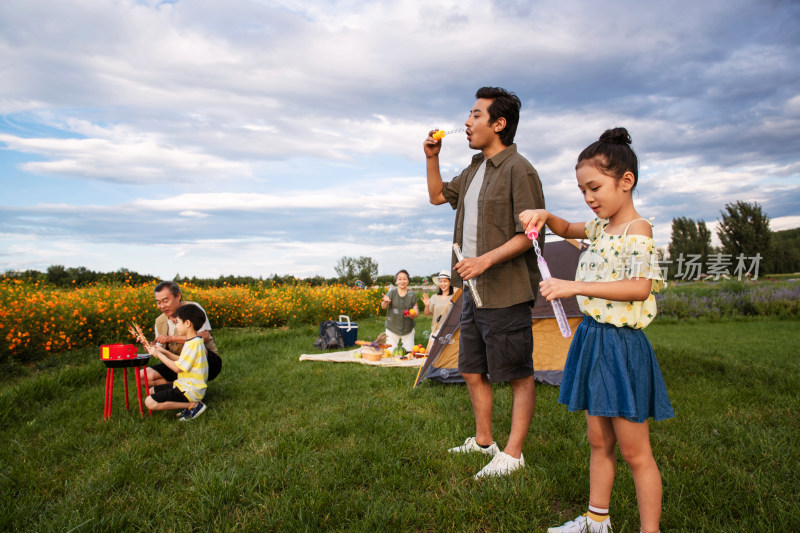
[
  {"x": 471, "y": 446},
  {"x": 500, "y": 465},
  {"x": 583, "y": 524}
]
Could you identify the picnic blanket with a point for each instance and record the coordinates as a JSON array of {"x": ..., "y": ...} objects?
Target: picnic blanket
[{"x": 348, "y": 357}]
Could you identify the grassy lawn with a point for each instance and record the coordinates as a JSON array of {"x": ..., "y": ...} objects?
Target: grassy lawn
[{"x": 291, "y": 446}]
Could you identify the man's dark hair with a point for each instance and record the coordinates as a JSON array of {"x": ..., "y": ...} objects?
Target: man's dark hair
[
  {"x": 171, "y": 285},
  {"x": 505, "y": 104},
  {"x": 193, "y": 314}
]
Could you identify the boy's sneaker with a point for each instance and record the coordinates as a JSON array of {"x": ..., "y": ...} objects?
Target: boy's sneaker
[
  {"x": 194, "y": 412},
  {"x": 471, "y": 446},
  {"x": 183, "y": 413},
  {"x": 500, "y": 465},
  {"x": 583, "y": 524}
]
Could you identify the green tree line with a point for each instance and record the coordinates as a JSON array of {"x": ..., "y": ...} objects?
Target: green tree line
[
  {"x": 350, "y": 270},
  {"x": 60, "y": 276},
  {"x": 744, "y": 232}
]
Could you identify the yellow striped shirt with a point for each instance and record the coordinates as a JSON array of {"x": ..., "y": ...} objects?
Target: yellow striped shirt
[{"x": 194, "y": 369}]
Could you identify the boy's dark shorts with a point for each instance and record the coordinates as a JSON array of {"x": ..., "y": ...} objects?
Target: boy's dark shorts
[
  {"x": 168, "y": 393},
  {"x": 214, "y": 367},
  {"x": 496, "y": 342}
]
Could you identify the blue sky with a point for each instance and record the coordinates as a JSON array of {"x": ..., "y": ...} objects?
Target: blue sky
[{"x": 274, "y": 137}]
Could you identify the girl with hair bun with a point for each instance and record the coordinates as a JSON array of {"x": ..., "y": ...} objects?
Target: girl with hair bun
[{"x": 611, "y": 372}]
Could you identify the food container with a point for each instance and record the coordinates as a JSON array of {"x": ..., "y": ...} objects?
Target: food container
[
  {"x": 348, "y": 329},
  {"x": 371, "y": 354}
]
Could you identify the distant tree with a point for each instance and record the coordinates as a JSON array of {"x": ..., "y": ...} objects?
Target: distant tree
[
  {"x": 81, "y": 276},
  {"x": 56, "y": 274},
  {"x": 785, "y": 251},
  {"x": 350, "y": 269},
  {"x": 385, "y": 279},
  {"x": 345, "y": 267},
  {"x": 316, "y": 281},
  {"x": 744, "y": 230},
  {"x": 689, "y": 238}
]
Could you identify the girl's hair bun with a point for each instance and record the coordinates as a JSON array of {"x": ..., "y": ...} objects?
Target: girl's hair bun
[
  {"x": 612, "y": 154},
  {"x": 617, "y": 136}
]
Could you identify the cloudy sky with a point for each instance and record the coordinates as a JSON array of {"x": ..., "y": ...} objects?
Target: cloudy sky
[{"x": 252, "y": 137}]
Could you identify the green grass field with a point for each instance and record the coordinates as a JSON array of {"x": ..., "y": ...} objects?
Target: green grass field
[{"x": 291, "y": 446}]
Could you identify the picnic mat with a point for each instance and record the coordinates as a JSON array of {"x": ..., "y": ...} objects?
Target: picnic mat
[{"x": 348, "y": 357}]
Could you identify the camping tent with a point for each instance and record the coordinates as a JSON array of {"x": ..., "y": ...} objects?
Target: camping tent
[
  {"x": 441, "y": 363},
  {"x": 549, "y": 346}
]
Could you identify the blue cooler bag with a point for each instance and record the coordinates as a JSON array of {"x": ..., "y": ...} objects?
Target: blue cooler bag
[{"x": 348, "y": 329}]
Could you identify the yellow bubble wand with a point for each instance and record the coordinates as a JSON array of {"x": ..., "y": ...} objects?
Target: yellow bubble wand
[{"x": 438, "y": 135}]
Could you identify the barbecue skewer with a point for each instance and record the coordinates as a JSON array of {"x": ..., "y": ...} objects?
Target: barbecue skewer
[{"x": 137, "y": 332}]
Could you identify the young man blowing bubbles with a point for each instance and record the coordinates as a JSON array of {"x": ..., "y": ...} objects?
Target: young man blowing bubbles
[{"x": 496, "y": 342}]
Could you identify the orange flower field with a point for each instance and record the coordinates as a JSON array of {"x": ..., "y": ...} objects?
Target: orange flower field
[{"x": 37, "y": 319}]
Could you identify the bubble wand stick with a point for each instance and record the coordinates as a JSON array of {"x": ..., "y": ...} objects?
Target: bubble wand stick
[
  {"x": 470, "y": 282},
  {"x": 558, "y": 309}
]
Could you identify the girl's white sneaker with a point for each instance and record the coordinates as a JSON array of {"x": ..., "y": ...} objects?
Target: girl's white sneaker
[{"x": 583, "y": 524}]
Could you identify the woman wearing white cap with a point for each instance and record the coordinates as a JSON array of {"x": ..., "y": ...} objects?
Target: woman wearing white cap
[{"x": 436, "y": 304}]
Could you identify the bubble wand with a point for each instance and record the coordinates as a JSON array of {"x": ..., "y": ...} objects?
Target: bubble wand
[
  {"x": 558, "y": 309},
  {"x": 470, "y": 282},
  {"x": 440, "y": 134}
]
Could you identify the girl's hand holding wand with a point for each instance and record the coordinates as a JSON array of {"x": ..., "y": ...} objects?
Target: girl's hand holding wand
[
  {"x": 539, "y": 218},
  {"x": 533, "y": 219},
  {"x": 554, "y": 288}
]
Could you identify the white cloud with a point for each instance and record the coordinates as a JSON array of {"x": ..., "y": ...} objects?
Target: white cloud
[
  {"x": 193, "y": 214},
  {"x": 120, "y": 160},
  {"x": 784, "y": 223}
]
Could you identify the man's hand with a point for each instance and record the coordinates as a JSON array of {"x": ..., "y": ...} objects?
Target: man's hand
[
  {"x": 431, "y": 146},
  {"x": 471, "y": 267},
  {"x": 163, "y": 339}
]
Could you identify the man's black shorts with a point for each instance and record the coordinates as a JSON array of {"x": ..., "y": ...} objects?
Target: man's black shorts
[{"x": 496, "y": 342}]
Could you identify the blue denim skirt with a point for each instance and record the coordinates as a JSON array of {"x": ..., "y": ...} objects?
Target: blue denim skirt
[{"x": 612, "y": 371}]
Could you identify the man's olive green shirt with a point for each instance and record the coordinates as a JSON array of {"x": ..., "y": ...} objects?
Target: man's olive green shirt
[{"x": 510, "y": 186}]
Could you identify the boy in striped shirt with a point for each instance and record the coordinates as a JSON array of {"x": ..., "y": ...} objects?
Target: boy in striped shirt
[{"x": 187, "y": 391}]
